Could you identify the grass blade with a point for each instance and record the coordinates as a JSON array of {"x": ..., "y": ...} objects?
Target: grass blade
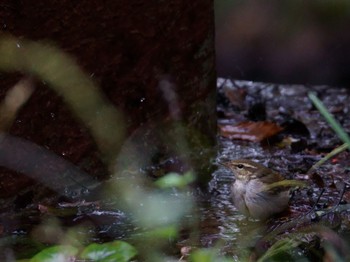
[{"x": 330, "y": 119}]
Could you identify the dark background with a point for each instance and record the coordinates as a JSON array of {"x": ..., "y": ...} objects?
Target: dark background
[
  {"x": 127, "y": 48},
  {"x": 284, "y": 41}
]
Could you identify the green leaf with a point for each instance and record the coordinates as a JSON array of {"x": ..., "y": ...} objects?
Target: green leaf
[
  {"x": 330, "y": 119},
  {"x": 285, "y": 183},
  {"x": 118, "y": 251},
  {"x": 331, "y": 154},
  {"x": 165, "y": 232},
  {"x": 203, "y": 255},
  {"x": 175, "y": 180},
  {"x": 55, "y": 254},
  {"x": 207, "y": 255},
  {"x": 278, "y": 248}
]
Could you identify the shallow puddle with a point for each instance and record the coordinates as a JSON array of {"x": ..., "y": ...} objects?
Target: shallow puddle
[{"x": 305, "y": 140}]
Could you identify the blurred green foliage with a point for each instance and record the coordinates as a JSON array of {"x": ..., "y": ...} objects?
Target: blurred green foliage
[
  {"x": 176, "y": 180},
  {"x": 160, "y": 212}
]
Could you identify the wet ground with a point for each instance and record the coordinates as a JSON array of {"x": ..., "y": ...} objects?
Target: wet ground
[
  {"x": 305, "y": 139},
  {"x": 275, "y": 125}
]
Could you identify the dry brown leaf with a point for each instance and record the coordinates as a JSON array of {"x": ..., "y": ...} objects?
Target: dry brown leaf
[
  {"x": 251, "y": 131},
  {"x": 235, "y": 96}
]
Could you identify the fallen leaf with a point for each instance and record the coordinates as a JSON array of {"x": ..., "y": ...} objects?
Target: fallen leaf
[
  {"x": 251, "y": 131},
  {"x": 317, "y": 179},
  {"x": 235, "y": 96}
]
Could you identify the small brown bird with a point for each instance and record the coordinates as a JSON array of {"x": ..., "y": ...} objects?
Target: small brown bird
[{"x": 253, "y": 191}]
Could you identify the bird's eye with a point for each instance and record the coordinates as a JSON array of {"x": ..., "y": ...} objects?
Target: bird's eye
[{"x": 240, "y": 166}]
